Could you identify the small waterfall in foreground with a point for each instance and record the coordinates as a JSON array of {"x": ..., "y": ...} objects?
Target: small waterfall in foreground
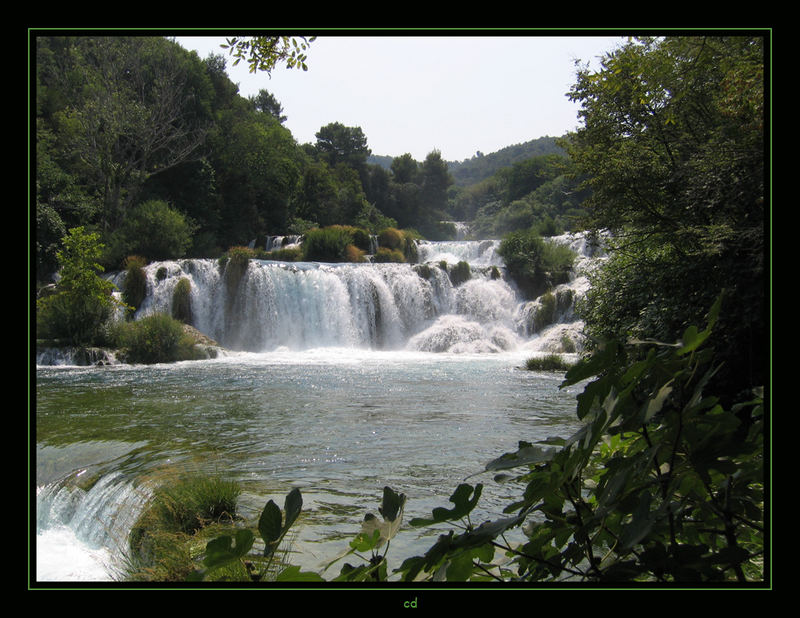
[
  {"x": 82, "y": 525},
  {"x": 456, "y": 299}
]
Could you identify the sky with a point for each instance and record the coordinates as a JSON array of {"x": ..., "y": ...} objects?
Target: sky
[{"x": 415, "y": 94}]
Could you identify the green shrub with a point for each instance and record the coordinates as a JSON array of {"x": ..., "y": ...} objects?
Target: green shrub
[
  {"x": 153, "y": 229},
  {"x": 327, "y": 244},
  {"x": 236, "y": 263},
  {"x": 134, "y": 287},
  {"x": 460, "y": 273},
  {"x": 291, "y": 254},
  {"x": 384, "y": 254},
  {"x": 391, "y": 238},
  {"x": 156, "y": 338},
  {"x": 551, "y": 362},
  {"x": 535, "y": 264},
  {"x": 165, "y": 538},
  {"x": 354, "y": 254},
  {"x": 182, "y": 301},
  {"x": 82, "y": 302}
]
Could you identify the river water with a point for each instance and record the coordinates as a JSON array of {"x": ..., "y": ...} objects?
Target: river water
[{"x": 338, "y": 417}]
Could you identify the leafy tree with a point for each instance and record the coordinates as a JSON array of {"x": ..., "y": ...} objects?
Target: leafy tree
[
  {"x": 673, "y": 147},
  {"x": 128, "y": 113},
  {"x": 266, "y": 103},
  {"x": 535, "y": 264},
  {"x": 404, "y": 169},
  {"x": 337, "y": 143},
  {"x": 434, "y": 182},
  {"x": 258, "y": 167},
  {"x": 154, "y": 230},
  {"x": 82, "y": 301}
]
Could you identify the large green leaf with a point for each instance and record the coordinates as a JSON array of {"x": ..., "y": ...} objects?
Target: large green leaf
[
  {"x": 526, "y": 454},
  {"x": 292, "y": 506},
  {"x": 269, "y": 525},
  {"x": 465, "y": 497}
]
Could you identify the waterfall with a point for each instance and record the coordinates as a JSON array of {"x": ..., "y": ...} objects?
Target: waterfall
[
  {"x": 303, "y": 305},
  {"x": 82, "y": 530}
]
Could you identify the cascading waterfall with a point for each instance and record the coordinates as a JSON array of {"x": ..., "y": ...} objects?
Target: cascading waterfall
[
  {"x": 299, "y": 306},
  {"x": 96, "y": 519}
]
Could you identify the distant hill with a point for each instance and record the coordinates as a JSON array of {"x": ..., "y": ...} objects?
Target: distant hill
[{"x": 481, "y": 166}]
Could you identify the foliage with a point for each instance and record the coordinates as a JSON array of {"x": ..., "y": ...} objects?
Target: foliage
[
  {"x": 226, "y": 550},
  {"x": 263, "y": 53},
  {"x": 236, "y": 262},
  {"x": 661, "y": 483},
  {"x": 399, "y": 241},
  {"x": 330, "y": 244},
  {"x": 384, "y": 254},
  {"x": 134, "y": 286},
  {"x": 161, "y": 541},
  {"x": 156, "y": 338},
  {"x": 672, "y": 146},
  {"x": 152, "y": 229},
  {"x": 460, "y": 273},
  {"x": 83, "y": 300},
  {"x": 182, "y": 301},
  {"x": 551, "y": 362},
  {"x": 535, "y": 264}
]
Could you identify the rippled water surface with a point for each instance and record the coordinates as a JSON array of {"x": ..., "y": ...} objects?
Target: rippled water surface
[{"x": 338, "y": 424}]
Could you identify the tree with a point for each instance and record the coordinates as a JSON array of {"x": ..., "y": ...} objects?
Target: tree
[
  {"x": 129, "y": 114},
  {"x": 154, "y": 230},
  {"x": 404, "y": 169},
  {"x": 337, "y": 143},
  {"x": 82, "y": 301},
  {"x": 673, "y": 147},
  {"x": 266, "y": 103}
]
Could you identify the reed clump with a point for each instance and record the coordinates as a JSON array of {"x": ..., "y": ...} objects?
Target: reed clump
[{"x": 171, "y": 533}]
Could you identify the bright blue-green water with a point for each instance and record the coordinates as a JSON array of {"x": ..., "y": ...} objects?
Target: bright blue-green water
[{"x": 337, "y": 424}]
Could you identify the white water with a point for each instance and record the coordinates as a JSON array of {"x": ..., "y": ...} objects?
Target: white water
[{"x": 290, "y": 326}]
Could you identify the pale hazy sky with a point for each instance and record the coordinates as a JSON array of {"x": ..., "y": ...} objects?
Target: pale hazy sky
[{"x": 455, "y": 94}]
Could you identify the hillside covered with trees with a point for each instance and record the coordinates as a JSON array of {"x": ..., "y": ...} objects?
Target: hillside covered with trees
[{"x": 152, "y": 148}]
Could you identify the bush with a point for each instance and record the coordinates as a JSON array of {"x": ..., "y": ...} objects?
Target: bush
[
  {"x": 291, "y": 254},
  {"x": 156, "y": 338},
  {"x": 391, "y": 238},
  {"x": 153, "y": 229},
  {"x": 82, "y": 303},
  {"x": 400, "y": 240},
  {"x": 182, "y": 301},
  {"x": 535, "y": 265},
  {"x": 332, "y": 244},
  {"x": 354, "y": 254},
  {"x": 134, "y": 287},
  {"x": 236, "y": 262},
  {"x": 326, "y": 245},
  {"x": 384, "y": 254},
  {"x": 460, "y": 273},
  {"x": 551, "y": 362}
]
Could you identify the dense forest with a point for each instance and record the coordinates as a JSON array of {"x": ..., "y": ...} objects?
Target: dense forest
[{"x": 137, "y": 133}]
